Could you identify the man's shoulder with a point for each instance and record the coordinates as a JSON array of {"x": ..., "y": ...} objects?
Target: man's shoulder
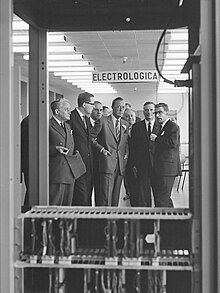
[
  {"x": 51, "y": 121},
  {"x": 124, "y": 122},
  {"x": 171, "y": 124},
  {"x": 138, "y": 124},
  {"x": 73, "y": 113}
]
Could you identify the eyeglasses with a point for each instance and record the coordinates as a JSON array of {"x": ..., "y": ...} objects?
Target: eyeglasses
[
  {"x": 90, "y": 103},
  {"x": 158, "y": 112}
]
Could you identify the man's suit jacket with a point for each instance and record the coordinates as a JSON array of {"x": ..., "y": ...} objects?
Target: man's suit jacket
[
  {"x": 142, "y": 149},
  {"x": 82, "y": 138},
  {"x": 167, "y": 156},
  {"x": 63, "y": 168},
  {"x": 107, "y": 138}
]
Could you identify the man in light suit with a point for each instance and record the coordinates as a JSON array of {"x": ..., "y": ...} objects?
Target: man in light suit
[
  {"x": 112, "y": 144},
  {"x": 167, "y": 157},
  {"x": 141, "y": 156},
  {"x": 81, "y": 126},
  {"x": 65, "y": 164}
]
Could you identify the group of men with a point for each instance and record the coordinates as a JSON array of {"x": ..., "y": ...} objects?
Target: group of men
[{"x": 89, "y": 150}]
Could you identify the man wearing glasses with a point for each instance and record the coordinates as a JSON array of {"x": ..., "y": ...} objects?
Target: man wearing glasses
[
  {"x": 167, "y": 158},
  {"x": 80, "y": 125}
]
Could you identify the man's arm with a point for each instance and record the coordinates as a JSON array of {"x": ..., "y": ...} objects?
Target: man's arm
[{"x": 95, "y": 130}]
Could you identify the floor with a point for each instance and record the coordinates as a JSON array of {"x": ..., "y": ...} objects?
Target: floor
[{"x": 180, "y": 198}]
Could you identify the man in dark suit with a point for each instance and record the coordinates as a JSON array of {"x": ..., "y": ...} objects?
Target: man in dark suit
[
  {"x": 167, "y": 157},
  {"x": 141, "y": 156},
  {"x": 112, "y": 144},
  {"x": 80, "y": 125},
  {"x": 95, "y": 116},
  {"x": 64, "y": 165}
]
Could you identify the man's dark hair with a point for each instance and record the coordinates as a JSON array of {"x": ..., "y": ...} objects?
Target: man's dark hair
[
  {"x": 127, "y": 104},
  {"x": 163, "y": 105},
  {"x": 116, "y": 99},
  {"x": 84, "y": 98},
  {"x": 149, "y": 103}
]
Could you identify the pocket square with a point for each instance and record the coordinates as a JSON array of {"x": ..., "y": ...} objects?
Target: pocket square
[{"x": 124, "y": 126}]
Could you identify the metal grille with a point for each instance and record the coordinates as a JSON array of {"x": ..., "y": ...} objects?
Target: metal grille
[{"x": 106, "y": 213}]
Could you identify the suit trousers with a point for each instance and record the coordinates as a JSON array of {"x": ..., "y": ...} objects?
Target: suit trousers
[
  {"x": 61, "y": 194},
  {"x": 144, "y": 196},
  {"x": 162, "y": 191},
  {"x": 82, "y": 195},
  {"x": 110, "y": 185}
]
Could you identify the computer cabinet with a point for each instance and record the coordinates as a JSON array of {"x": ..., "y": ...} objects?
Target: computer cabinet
[{"x": 105, "y": 249}]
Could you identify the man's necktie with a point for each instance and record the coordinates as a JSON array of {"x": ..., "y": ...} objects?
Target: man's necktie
[
  {"x": 149, "y": 129},
  {"x": 84, "y": 121},
  {"x": 117, "y": 129},
  {"x": 62, "y": 125}
]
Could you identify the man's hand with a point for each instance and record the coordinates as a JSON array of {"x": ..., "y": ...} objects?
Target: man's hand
[
  {"x": 105, "y": 152},
  {"x": 62, "y": 150},
  {"x": 135, "y": 171},
  {"x": 153, "y": 137}
]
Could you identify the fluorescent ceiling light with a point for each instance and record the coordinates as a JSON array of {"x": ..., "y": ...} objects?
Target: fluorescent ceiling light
[
  {"x": 76, "y": 77},
  {"x": 61, "y": 49},
  {"x": 65, "y": 57},
  {"x": 24, "y": 38},
  {"x": 176, "y": 55},
  {"x": 20, "y": 49},
  {"x": 19, "y": 25},
  {"x": 25, "y": 49},
  {"x": 57, "y": 73},
  {"x": 178, "y": 47},
  {"x": 172, "y": 67},
  {"x": 77, "y": 57},
  {"x": 68, "y": 63},
  {"x": 179, "y": 35},
  {"x": 171, "y": 72},
  {"x": 20, "y": 39},
  {"x": 94, "y": 85},
  {"x": 83, "y": 78},
  {"x": 75, "y": 80},
  {"x": 69, "y": 69},
  {"x": 55, "y": 38},
  {"x": 174, "y": 62}
]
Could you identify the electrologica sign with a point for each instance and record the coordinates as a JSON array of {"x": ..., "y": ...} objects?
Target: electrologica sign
[{"x": 126, "y": 76}]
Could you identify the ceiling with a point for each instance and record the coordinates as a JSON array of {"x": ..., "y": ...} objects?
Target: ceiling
[
  {"x": 97, "y": 15},
  {"x": 119, "y": 51},
  {"x": 108, "y": 31}
]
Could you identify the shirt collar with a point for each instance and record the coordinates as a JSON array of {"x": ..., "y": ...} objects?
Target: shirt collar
[
  {"x": 80, "y": 113},
  {"x": 114, "y": 119},
  {"x": 57, "y": 120},
  {"x": 162, "y": 125},
  {"x": 92, "y": 121},
  {"x": 147, "y": 122}
]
